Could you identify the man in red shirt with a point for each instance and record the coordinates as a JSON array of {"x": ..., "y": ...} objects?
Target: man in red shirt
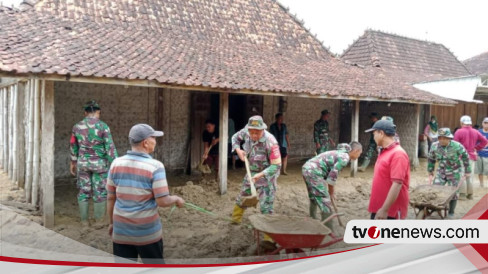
[
  {"x": 391, "y": 179},
  {"x": 472, "y": 140}
]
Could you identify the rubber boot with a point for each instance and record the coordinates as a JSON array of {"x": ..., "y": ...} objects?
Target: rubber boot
[
  {"x": 83, "y": 212},
  {"x": 99, "y": 210},
  {"x": 329, "y": 224},
  {"x": 267, "y": 244},
  {"x": 237, "y": 214},
  {"x": 364, "y": 166},
  {"x": 313, "y": 209},
  {"x": 452, "y": 207}
]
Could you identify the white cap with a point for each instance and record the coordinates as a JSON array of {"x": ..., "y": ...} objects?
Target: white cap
[{"x": 466, "y": 120}]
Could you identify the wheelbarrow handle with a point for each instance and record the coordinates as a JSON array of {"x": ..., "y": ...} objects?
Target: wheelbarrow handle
[{"x": 335, "y": 215}]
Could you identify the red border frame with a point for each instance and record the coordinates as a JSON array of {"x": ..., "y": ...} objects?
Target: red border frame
[{"x": 74, "y": 263}]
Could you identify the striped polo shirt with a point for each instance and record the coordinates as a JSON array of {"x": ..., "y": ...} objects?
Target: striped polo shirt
[{"x": 136, "y": 180}]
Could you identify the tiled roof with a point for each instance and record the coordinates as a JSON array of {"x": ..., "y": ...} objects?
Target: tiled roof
[
  {"x": 478, "y": 64},
  {"x": 242, "y": 44},
  {"x": 400, "y": 53}
]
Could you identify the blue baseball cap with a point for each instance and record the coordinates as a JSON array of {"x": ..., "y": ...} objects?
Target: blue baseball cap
[{"x": 386, "y": 125}]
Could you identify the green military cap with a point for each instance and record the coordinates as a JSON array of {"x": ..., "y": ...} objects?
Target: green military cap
[
  {"x": 91, "y": 105},
  {"x": 324, "y": 112},
  {"x": 256, "y": 122},
  {"x": 445, "y": 132},
  {"x": 345, "y": 147}
]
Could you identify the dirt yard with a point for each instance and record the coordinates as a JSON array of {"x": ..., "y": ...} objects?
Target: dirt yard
[{"x": 190, "y": 235}]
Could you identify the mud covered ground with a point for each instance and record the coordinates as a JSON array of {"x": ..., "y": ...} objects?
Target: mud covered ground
[{"x": 190, "y": 235}]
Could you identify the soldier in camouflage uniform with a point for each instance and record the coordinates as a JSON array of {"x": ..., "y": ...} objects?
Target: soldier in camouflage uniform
[
  {"x": 372, "y": 147},
  {"x": 263, "y": 152},
  {"x": 92, "y": 151},
  {"x": 321, "y": 137},
  {"x": 452, "y": 157},
  {"x": 320, "y": 174}
]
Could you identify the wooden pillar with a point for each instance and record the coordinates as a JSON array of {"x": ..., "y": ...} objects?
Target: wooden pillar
[
  {"x": 355, "y": 134},
  {"x": 21, "y": 88},
  {"x": 47, "y": 153},
  {"x": 29, "y": 142},
  {"x": 2, "y": 127},
  {"x": 5, "y": 129},
  {"x": 15, "y": 110},
  {"x": 415, "y": 157},
  {"x": 10, "y": 132},
  {"x": 223, "y": 137},
  {"x": 38, "y": 89}
]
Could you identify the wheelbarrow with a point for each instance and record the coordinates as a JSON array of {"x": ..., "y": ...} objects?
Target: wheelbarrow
[
  {"x": 429, "y": 199},
  {"x": 293, "y": 233}
]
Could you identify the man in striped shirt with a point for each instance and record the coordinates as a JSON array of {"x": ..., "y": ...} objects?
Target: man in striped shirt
[{"x": 136, "y": 187}]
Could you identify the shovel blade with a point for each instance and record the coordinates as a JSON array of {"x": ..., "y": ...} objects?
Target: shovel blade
[{"x": 249, "y": 201}]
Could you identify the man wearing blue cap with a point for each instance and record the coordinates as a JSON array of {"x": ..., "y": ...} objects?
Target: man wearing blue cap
[
  {"x": 136, "y": 187},
  {"x": 389, "y": 192}
]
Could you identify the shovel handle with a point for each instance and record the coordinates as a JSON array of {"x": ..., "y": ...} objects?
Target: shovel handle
[
  {"x": 336, "y": 211},
  {"x": 248, "y": 170}
]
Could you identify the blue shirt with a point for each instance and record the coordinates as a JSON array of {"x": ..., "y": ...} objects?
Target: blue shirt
[
  {"x": 484, "y": 152},
  {"x": 280, "y": 135}
]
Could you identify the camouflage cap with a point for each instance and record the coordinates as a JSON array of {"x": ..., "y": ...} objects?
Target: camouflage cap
[
  {"x": 91, "y": 105},
  {"x": 256, "y": 122},
  {"x": 344, "y": 147},
  {"x": 445, "y": 132},
  {"x": 324, "y": 112}
]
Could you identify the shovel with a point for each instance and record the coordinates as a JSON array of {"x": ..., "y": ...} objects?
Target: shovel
[
  {"x": 336, "y": 212},
  {"x": 250, "y": 201},
  {"x": 204, "y": 168}
]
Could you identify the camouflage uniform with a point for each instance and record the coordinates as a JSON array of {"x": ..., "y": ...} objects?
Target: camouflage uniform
[
  {"x": 372, "y": 147},
  {"x": 321, "y": 170},
  {"x": 92, "y": 150},
  {"x": 321, "y": 135},
  {"x": 264, "y": 156},
  {"x": 451, "y": 160}
]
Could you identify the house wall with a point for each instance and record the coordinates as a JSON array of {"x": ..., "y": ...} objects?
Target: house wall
[
  {"x": 122, "y": 107},
  {"x": 450, "y": 116},
  {"x": 405, "y": 119},
  {"x": 300, "y": 117}
]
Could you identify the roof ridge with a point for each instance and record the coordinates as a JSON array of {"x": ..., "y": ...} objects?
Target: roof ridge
[
  {"x": 476, "y": 56},
  {"x": 455, "y": 57},
  {"x": 402, "y": 36},
  {"x": 301, "y": 23},
  {"x": 375, "y": 58}
]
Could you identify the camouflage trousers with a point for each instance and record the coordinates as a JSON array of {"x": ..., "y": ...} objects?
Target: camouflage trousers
[
  {"x": 324, "y": 146},
  {"x": 318, "y": 192},
  {"x": 451, "y": 180},
  {"x": 265, "y": 189},
  {"x": 92, "y": 184},
  {"x": 371, "y": 150}
]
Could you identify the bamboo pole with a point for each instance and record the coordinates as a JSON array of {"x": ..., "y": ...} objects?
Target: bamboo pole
[
  {"x": 15, "y": 137},
  {"x": 47, "y": 152},
  {"x": 30, "y": 122},
  {"x": 36, "y": 157},
  {"x": 10, "y": 133},
  {"x": 1, "y": 127},
  {"x": 5, "y": 129},
  {"x": 21, "y": 87}
]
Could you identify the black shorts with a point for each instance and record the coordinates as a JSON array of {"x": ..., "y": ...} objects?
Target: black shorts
[
  {"x": 283, "y": 152},
  {"x": 150, "y": 254}
]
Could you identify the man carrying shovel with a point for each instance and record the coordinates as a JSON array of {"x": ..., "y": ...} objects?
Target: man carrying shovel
[
  {"x": 320, "y": 174},
  {"x": 263, "y": 153},
  {"x": 452, "y": 157}
]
